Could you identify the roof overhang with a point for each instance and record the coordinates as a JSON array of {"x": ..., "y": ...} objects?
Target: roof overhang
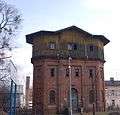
[{"x": 30, "y": 37}]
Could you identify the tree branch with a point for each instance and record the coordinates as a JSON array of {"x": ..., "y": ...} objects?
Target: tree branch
[{"x": 2, "y": 19}]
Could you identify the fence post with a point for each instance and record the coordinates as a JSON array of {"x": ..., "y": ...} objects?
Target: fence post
[
  {"x": 13, "y": 90},
  {"x": 14, "y": 108}
]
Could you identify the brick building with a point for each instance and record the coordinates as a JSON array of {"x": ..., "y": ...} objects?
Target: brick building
[
  {"x": 112, "y": 94},
  {"x": 50, "y": 57}
]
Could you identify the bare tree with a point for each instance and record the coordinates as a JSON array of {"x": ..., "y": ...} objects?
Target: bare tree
[
  {"x": 4, "y": 99},
  {"x": 10, "y": 20}
]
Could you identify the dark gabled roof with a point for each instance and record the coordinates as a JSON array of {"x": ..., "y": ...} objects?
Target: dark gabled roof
[
  {"x": 101, "y": 38},
  {"x": 30, "y": 37},
  {"x": 112, "y": 83}
]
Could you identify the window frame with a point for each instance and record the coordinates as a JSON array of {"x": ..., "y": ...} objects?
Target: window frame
[
  {"x": 52, "y": 45},
  {"x": 52, "y": 72},
  {"x": 52, "y": 97},
  {"x": 91, "y": 73},
  {"x": 67, "y": 72},
  {"x": 70, "y": 46},
  {"x": 91, "y": 48},
  {"x": 75, "y": 47},
  {"x": 77, "y": 72}
]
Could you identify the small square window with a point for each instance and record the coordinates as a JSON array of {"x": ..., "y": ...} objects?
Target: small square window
[
  {"x": 52, "y": 45},
  {"x": 69, "y": 46},
  {"x": 67, "y": 72},
  {"x": 77, "y": 72},
  {"x": 91, "y": 48},
  {"x": 75, "y": 46},
  {"x": 91, "y": 73},
  {"x": 52, "y": 72}
]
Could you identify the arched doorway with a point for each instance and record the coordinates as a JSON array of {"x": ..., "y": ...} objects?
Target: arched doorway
[{"x": 74, "y": 96}]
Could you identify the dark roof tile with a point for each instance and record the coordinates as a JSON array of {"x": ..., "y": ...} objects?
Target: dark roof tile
[{"x": 30, "y": 37}]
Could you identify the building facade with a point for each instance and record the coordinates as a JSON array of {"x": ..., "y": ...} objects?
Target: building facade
[
  {"x": 112, "y": 94},
  {"x": 19, "y": 96},
  {"x": 60, "y": 55}
]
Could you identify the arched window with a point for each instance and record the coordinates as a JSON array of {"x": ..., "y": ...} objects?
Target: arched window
[{"x": 52, "y": 97}]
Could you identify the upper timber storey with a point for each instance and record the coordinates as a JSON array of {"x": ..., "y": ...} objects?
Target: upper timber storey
[
  {"x": 30, "y": 37},
  {"x": 71, "y": 41}
]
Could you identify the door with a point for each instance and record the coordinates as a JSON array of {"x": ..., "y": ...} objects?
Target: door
[{"x": 74, "y": 96}]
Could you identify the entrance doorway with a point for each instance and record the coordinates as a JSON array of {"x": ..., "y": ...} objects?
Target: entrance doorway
[{"x": 74, "y": 96}]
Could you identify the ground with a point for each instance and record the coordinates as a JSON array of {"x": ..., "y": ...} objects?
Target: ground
[{"x": 100, "y": 113}]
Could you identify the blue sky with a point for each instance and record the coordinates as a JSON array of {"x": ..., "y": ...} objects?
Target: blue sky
[{"x": 94, "y": 16}]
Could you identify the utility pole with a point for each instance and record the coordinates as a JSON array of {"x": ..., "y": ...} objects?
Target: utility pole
[
  {"x": 58, "y": 84},
  {"x": 13, "y": 92},
  {"x": 70, "y": 85},
  {"x": 93, "y": 94}
]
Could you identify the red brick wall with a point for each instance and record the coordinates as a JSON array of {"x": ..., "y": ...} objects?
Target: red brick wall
[{"x": 43, "y": 83}]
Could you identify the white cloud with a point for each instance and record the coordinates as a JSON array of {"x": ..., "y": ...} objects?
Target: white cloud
[
  {"x": 21, "y": 58},
  {"x": 106, "y": 5}
]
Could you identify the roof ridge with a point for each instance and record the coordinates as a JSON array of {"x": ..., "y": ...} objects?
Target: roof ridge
[{"x": 31, "y": 36}]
